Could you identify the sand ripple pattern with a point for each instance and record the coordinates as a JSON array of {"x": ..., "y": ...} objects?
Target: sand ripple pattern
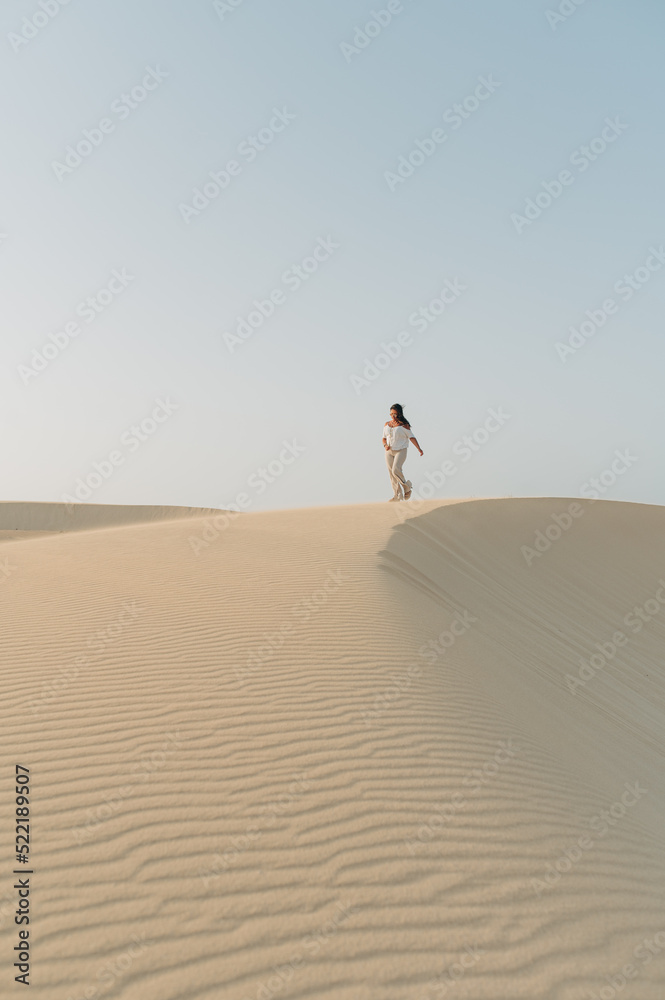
[{"x": 269, "y": 765}]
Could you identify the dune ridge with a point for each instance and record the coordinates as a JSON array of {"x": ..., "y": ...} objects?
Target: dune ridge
[
  {"x": 37, "y": 516},
  {"x": 336, "y": 753}
]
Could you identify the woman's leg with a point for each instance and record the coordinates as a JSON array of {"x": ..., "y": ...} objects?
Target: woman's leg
[
  {"x": 390, "y": 460},
  {"x": 398, "y": 462}
]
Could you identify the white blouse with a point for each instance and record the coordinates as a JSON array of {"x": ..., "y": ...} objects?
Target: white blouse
[{"x": 398, "y": 437}]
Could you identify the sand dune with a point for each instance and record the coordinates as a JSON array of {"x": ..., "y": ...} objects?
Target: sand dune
[
  {"x": 382, "y": 752},
  {"x": 42, "y": 517}
]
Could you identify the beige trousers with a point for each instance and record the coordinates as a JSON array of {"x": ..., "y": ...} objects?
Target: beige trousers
[{"x": 395, "y": 461}]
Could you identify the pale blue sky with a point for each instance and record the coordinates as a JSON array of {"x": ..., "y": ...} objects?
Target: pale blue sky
[{"x": 218, "y": 76}]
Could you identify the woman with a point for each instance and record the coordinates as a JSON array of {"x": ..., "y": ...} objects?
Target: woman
[{"x": 396, "y": 436}]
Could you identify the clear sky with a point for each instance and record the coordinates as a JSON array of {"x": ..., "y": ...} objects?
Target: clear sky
[{"x": 472, "y": 187}]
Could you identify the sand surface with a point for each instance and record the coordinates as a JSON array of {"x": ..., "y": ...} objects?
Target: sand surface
[
  {"x": 42, "y": 517},
  {"x": 352, "y": 753}
]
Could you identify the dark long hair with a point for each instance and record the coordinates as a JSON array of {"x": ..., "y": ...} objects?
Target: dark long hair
[{"x": 401, "y": 419}]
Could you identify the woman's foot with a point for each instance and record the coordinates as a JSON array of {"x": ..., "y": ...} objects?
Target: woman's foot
[
  {"x": 408, "y": 490},
  {"x": 393, "y": 499}
]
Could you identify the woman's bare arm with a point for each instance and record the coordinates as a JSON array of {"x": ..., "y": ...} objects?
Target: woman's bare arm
[{"x": 417, "y": 445}]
